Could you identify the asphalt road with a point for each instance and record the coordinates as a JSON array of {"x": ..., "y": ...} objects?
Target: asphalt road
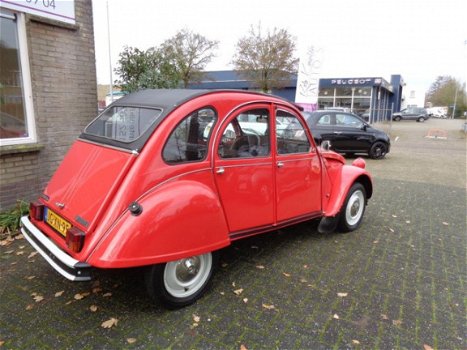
[{"x": 396, "y": 283}]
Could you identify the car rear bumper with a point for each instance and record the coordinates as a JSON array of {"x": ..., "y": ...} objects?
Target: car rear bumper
[{"x": 63, "y": 263}]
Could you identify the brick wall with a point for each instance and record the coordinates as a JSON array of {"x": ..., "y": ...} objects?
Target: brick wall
[{"x": 63, "y": 75}]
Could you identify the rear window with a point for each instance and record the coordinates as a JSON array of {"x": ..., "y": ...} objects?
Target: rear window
[{"x": 123, "y": 124}]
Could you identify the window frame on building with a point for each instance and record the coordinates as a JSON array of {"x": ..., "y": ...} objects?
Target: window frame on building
[{"x": 20, "y": 20}]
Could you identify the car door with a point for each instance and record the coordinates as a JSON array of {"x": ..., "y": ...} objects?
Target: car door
[
  {"x": 350, "y": 134},
  {"x": 243, "y": 169},
  {"x": 297, "y": 169}
]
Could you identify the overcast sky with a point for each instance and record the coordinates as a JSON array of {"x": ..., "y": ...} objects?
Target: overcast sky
[{"x": 419, "y": 39}]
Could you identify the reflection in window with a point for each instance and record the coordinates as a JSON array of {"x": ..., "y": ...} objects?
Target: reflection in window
[
  {"x": 348, "y": 120},
  {"x": 324, "y": 120},
  {"x": 344, "y": 91},
  {"x": 13, "y": 121},
  {"x": 190, "y": 139},
  {"x": 246, "y": 136},
  {"x": 290, "y": 134},
  {"x": 124, "y": 124}
]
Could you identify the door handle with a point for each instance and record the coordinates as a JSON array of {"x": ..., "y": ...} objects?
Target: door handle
[
  {"x": 280, "y": 164},
  {"x": 337, "y": 132},
  {"x": 220, "y": 170}
]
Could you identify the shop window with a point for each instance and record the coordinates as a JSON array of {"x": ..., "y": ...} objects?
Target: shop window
[
  {"x": 362, "y": 91},
  {"x": 16, "y": 112},
  {"x": 329, "y": 92},
  {"x": 344, "y": 91}
]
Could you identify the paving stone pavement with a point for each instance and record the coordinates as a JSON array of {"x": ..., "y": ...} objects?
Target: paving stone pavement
[{"x": 396, "y": 283}]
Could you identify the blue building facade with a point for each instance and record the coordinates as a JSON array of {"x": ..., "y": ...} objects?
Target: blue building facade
[{"x": 373, "y": 98}]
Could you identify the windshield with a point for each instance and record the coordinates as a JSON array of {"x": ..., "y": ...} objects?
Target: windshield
[{"x": 123, "y": 124}]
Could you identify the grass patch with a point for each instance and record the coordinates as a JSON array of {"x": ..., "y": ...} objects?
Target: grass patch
[{"x": 9, "y": 220}]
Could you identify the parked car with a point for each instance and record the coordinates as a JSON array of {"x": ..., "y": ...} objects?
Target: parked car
[
  {"x": 145, "y": 185},
  {"x": 348, "y": 133},
  {"x": 412, "y": 113}
]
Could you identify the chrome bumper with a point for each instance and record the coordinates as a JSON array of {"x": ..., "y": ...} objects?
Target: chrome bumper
[{"x": 67, "y": 266}]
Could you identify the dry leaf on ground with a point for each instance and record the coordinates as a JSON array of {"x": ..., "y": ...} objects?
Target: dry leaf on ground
[
  {"x": 59, "y": 294},
  {"x": 396, "y": 322},
  {"x": 355, "y": 341},
  {"x": 342, "y": 294},
  {"x": 269, "y": 306},
  {"x": 131, "y": 340},
  {"x": 38, "y": 298},
  {"x": 261, "y": 267},
  {"x": 93, "y": 308},
  {"x": 427, "y": 347},
  {"x": 238, "y": 291},
  {"x": 286, "y": 274},
  {"x": 109, "y": 323},
  {"x": 196, "y": 318},
  {"x": 335, "y": 316},
  {"x": 243, "y": 347}
]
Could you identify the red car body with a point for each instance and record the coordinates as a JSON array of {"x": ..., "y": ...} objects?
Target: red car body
[{"x": 125, "y": 201}]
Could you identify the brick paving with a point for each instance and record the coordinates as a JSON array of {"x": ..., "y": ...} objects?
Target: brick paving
[{"x": 396, "y": 283}]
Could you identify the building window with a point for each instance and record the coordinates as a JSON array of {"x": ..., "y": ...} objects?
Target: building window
[{"x": 16, "y": 111}]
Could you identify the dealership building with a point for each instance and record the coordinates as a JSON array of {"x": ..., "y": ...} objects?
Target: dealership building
[
  {"x": 48, "y": 90},
  {"x": 374, "y": 98}
]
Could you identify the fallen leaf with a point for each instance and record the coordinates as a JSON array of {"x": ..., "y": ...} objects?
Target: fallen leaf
[
  {"x": 269, "y": 306},
  {"x": 427, "y": 347},
  {"x": 221, "y": 293},
  {"x": 69, "y": 302},
  {"x": 80, "y": 296},
  {"x": 106, "y": 295},
  {"x": 303, "y": 280},
  {"x": 29, "y": 307},
  {"x": 394, "y": 216},
  {"x": 196, "y": 318},
  {"x": 245, "y": 300},
  {"x": 96, "y": 290},
  {"x": 305, "y": 266},
  {"x": 407, "y": 221},
  {"x": 18, "y": 237},
  {"x": 243, "y": 347},
  {"x": 336, "y": 316},
  {"x": 356, "y": 342},
  {"x": 30, "y": 277},
  {"x": 32, "y": 255},
  {"x": 392, "y": 230},
  {"x": 93, "y": 308},
  {"x": 194, "y": 325},
  {"x": 2, "y": 342},
  {"x": 233, "y": 284},
  {"x": 261, "y": 267},
  {"x": 22, "y": 246},
  {"x": 286, "y": 274},
  {"x": 38, "y": 298},
  {"x": 131, "y": 340},
  {"x": 59, "y": 294},
  {"x": 375, "y": 242},
  {"x": 224, "y": 265},
  {"x": 396, "y": 322},
  {"x": 445, "y": 223},
  {"x": 109, "y": 323},
  {"x": 20, "y": 252},
  {"x": 342, "y": 294},
  {"x": 9, "y": 251},
  {"x": 384, "y": 317},
  {"x": 238, "y": 291}
]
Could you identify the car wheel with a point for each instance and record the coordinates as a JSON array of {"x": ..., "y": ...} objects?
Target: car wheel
[
  {"x": 352, "y": 211},
  {"x": 421, "y": 119},
  {"x": 180, "y": 283},
  {"x": 378, "y": 150},
  {"x": 397, "y": 119}
]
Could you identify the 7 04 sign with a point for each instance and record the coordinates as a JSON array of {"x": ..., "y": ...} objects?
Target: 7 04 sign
[{"x": 45, "y": 3}]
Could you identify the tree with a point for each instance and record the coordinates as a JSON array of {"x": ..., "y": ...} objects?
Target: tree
[
  {"x": 145, "y": 69},
  {"x": 448, "y": 91},
  {"x": 267, "y": 60},
  {"x": 188, "y": 53}
]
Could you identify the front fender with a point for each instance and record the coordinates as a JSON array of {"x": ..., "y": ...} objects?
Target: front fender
[
  {"x": 341, "y": 181},
  {"x": 179, "y": 219}
]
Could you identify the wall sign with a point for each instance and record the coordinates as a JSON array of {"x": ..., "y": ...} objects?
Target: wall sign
[{"x": 58, "y": 10}]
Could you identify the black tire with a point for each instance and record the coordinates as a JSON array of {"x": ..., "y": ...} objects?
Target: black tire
[
  {"x": 378, "y": 150},
  {"x": 351, "y": 214},
  {"x": 180, "y": 283},
  {"x": 397, "y": 119}
]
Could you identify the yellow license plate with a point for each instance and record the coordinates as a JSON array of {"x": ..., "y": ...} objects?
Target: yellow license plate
[{"x": 59, "y": 224}]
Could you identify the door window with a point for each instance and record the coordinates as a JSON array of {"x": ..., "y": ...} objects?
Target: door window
[
  {"x": 348, "y": 120},
  {"x": 190, "y": 139},
  {"x": 246, "y": 136},
  {"x": 290, "y": 134}
]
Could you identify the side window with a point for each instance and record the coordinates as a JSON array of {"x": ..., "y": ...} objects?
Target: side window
[
  {"x": 290, "y": 134},
  {"x": 348, "y": 121},
  {"x": 324, "y": 120},
  {"x": 246, "y": 136},
  {"x": 189, "y": 140}
]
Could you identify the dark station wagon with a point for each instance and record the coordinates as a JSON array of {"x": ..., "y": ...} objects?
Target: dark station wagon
[{"x": 166, "y": 178}]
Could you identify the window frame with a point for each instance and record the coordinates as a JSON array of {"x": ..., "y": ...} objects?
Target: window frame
[
  {"x": 301, "y": 123},
  {"x": 26, "y": 79}
]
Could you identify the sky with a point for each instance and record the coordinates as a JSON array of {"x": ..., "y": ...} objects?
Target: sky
[{"x": 419, "y": 39}]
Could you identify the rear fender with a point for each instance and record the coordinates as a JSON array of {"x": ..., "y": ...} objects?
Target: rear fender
[
  {"x": 178, "y": 219},
  {"x": 341, "y": 182}
]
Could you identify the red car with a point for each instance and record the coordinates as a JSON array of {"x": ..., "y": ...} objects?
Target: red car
[{"x": 166, "y": 178}]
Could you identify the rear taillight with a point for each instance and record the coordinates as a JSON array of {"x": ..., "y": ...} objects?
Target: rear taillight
[
  {"x": 36, "y": 211},
  {"x": 74, "y": 239}
]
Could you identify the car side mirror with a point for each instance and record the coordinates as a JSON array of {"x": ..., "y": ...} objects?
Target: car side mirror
[
  {"x": 365, "y": 126},
  {"x": 326, "y": 145}
]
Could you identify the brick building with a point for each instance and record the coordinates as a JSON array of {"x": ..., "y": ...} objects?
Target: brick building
[{"x": 47, "y": 90}]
